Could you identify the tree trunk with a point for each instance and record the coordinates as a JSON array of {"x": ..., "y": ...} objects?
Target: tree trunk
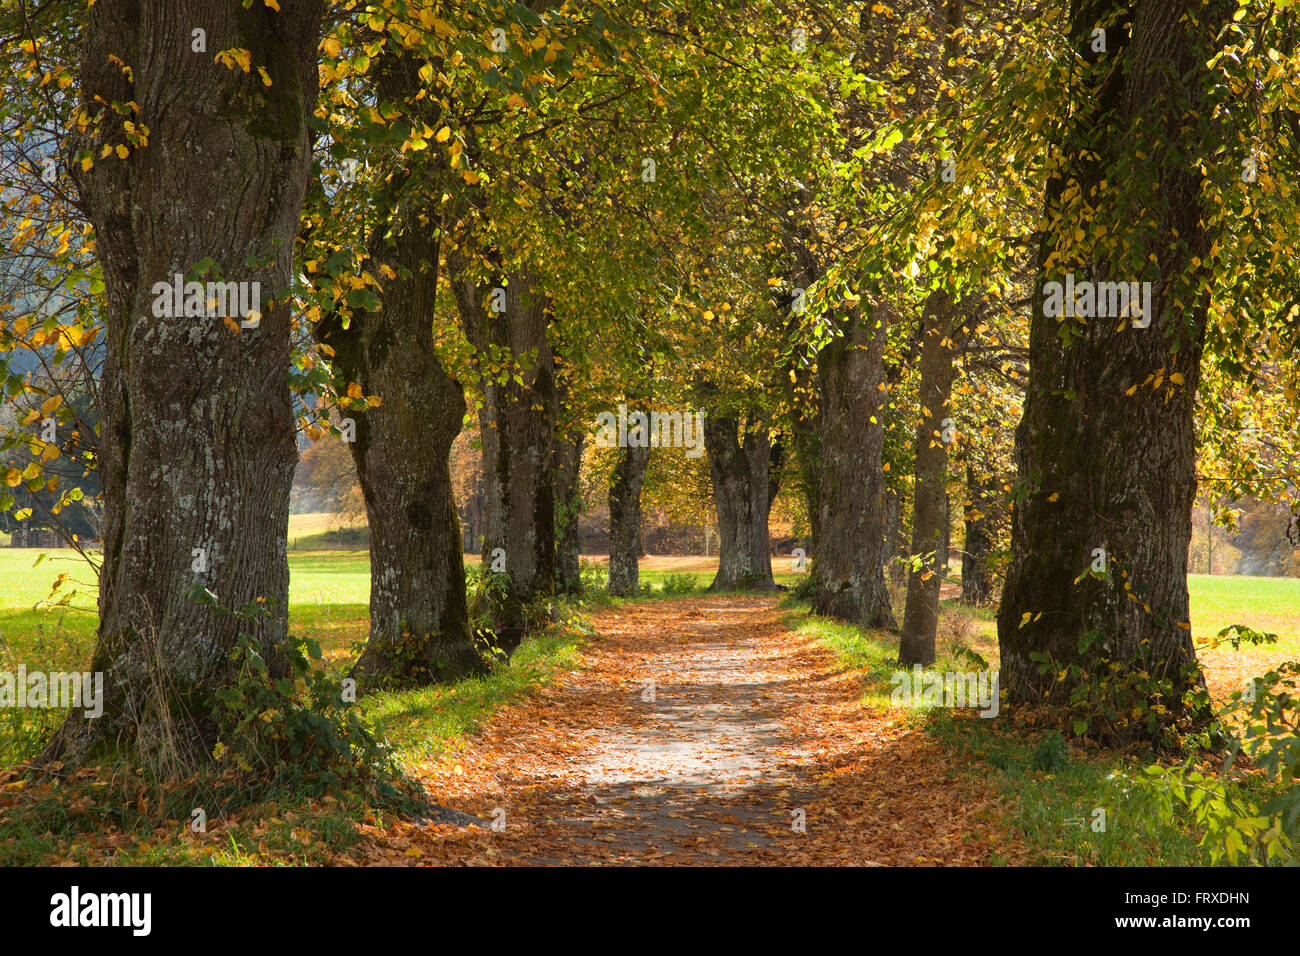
[
  {"x": 197, "y": 449},
  {"x": 945, "y": 532},
  {"x": 1109, "y": 477},
  {"x": 745, "y": 479},
  {"x": 517, "y": 424},
  {"x": 474, "y": 518},
  {"x": 568, "y": 506},
  {"x": 808, "y": 457},
  {"x": 849, "y": 567},
  {"x": 977, "y": 547},
  {"x": 625, "y": 519},
  {"x": 929, "y": 554},
  {"x": 419, "y": 621},
  {"x": 894, "y": 537},
  {"x": 1209, "y": 539}
]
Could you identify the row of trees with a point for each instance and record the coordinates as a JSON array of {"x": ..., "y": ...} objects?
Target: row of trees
[{"x": 831, "y": 230}]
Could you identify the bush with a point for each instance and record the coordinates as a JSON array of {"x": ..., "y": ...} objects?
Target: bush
[
  {"x": 679, "y": 584},
  {"x": 594, "y": 576},
  {"x": 302, "y": 726},
  {"x": 1263, "y": 721}
]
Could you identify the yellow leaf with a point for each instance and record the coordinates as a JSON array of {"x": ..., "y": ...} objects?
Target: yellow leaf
[
  {"x": 266, "y": 80},
  {"x": 444, "y": 134},
  {"x": 354, "y": 390},
  {"x": 122, "y": 151},
  {"x": 51, "y": 404},
  {"x": 274, "y": 6},
  {"x": 1176, "y": 378},
  {"x": 1055, "y": 495},
  {"x": 330, "y": 46}
]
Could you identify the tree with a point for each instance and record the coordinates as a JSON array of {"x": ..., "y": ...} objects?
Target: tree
[
  {"x": 930, "y": 514},
  {"x": 419, "y": 622},
  {"x": 517, "y": 425},
  {"x": 848, "y": 577},
  {"x": 194, "y": 167},
  {"x": 1099, "y": 564},
  {"x": 625, "y": 508},
  {"x": 568, "y": 507},
  {"x": 745, "y": 463}
]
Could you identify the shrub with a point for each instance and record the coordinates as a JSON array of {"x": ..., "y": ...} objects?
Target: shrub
[{"x": 679, "y": 584}]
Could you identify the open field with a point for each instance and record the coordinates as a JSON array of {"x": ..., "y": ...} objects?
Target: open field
[{"x": 329, "y": 591}]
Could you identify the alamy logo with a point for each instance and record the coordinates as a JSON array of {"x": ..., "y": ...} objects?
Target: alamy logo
[
  {"x": 59, "y": 690},
  {"x": 1103, "y": 300},
  {"x": 233, "y": 300},
  {"x": 74, "y": 909},
  {"x": 656, "y": 430},
  {"x": 962, "y": 689}
]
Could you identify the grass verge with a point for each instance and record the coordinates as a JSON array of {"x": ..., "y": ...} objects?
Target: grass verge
[{"x": 1074, "y": 810}]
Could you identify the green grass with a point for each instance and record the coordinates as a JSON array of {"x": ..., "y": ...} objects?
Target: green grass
[
  {"x": 1054, "y": 812},
  {"x": 432, "y": 722},
  {"x": 1271, "y": 605},
  {"x": 1266, "y": 604}
]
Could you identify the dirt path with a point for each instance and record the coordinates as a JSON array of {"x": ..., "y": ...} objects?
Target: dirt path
[{"x": 701, "y": 731}]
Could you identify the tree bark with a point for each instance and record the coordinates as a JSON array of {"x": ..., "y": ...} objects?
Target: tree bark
[
  {"x": 977, "y": 547},
  {"x": 945, "y": 532},
  {"x": 197, "y": 448},
  {"x": 929, "y": 514},
  {"x": 807, "y": 445},
  {"x": 517, "y": 423},
  {"x": 568, "y": 507},
  {"x": 1102, "y": 468},
  {"x": 894, "y": 539},
  {"x": 849, "y": 567},
  {"x": 745, "y": 480},
  {"x": 625, "y": 519}
]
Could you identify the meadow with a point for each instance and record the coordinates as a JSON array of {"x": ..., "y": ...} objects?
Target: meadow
[
  {"x": 329, "y": 590},
  {"x": 47, "y": 608}
]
